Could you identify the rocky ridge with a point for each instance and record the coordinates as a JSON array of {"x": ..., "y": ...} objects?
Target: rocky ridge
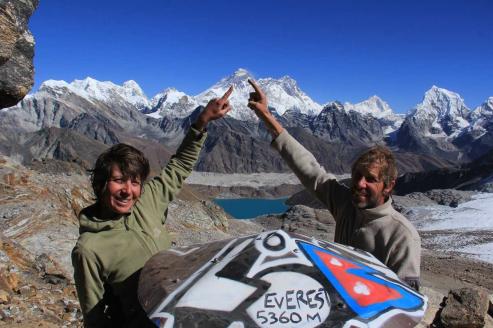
[{"x": 335, "y": 134}]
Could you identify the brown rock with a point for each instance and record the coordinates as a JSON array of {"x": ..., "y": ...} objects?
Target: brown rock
[
  {"x": 435, "y": 298},
  {"x": 16, "y": 50},
  {"x": 27, "y": 291},
  {"x": 465, "y": 307},
  {"x": 9, "y": 280},
  {"x": 4, "y": 297}
]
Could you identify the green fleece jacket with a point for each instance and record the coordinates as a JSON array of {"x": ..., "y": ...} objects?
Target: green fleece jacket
[{"x": 109, "y": 254}]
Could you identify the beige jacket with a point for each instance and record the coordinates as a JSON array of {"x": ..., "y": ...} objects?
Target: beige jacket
[{"x": 382, "y": 231}]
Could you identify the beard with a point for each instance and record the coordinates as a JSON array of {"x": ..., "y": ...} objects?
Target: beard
[{"x": 363, "y": 199}]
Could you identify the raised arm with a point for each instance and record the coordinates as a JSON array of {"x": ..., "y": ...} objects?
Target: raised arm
[
  {"x": 299, "y": 159},
  {"x": 258, "y": 103},
  {"x": 162, "y": 189},
  {"x": 215, "y": 109}
]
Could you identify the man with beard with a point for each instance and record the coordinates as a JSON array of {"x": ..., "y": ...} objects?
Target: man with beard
[{"x": 364, "y": 215}]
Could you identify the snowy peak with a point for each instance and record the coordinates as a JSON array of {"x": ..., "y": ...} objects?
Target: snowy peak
[
  {"x": 442, "y": 103},
  {"x": 379, "y": 109},
  {"x": 481, "y": 119},
  {"x": 373, "y": 106},
  {"x": 484, "y": 111},
  {"x": 442, "y": 113},
  {"x": 133, "y": 88},
  {"x": 106, "y": 91},
  {"x": 283, "y": 94},
  {"x": 238, "y": 79},
  {"x": 172, "y": 102}
]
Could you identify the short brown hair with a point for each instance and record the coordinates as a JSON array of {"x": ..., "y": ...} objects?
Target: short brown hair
[
  {"x": 131, "y": 161},
  {"x": 383, "y": 158}
]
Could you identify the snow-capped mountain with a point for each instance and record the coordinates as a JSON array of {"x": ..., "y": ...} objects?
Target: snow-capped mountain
[
  {"x": 379, "y": 109},
  {"x": 373, "y": 106},
  {"x": 107, "y": 92},
  {"x": 283, "y": 94},
  {"x": 481, "y": 119},
  {"x": 435, "y": 124},
  {"x": 442, "y": 112},
  {"x": 440, "y": 130},
  {"x": 172, "y": 103},
  {"x": 239, "y": 97}
]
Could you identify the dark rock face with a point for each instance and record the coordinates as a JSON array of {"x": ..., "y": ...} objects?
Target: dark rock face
[
  {"x": 477, "y": 175},
  {"x": 449, "y": 197},
  {"x": 16, "y": 50},
  {"x": 410, "y": 136},
  {"x": 334, "y": 124},
  {"x": 465, "y": 307}
]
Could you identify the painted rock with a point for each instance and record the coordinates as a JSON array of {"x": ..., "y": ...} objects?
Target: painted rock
[{"x": 275, "y": 279}]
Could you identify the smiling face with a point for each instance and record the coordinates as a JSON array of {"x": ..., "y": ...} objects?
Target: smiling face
[
  {"x": 121, "y": 192},
  {"x": 367, "y": 187},
  {"x": 373, "y": 177}
]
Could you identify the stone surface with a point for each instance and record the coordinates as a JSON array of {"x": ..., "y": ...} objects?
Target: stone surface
[
  {"x": 449, "y": 197},
  {"x": 465, "y": 307},
  {"x": 435, "y": 299},
  {"x": 490, "y": 305},
  {"x": 4, "y": 297},
  {"x": 16, "y": 51}
]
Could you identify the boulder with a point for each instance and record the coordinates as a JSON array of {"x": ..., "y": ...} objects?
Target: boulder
[
  {"x": 465, "y": 307},
  {"x": 275, "y": 277}
]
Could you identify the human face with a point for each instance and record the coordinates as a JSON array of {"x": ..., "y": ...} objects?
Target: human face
[
  {"x": 368, "y": 190},
  {"x": 121, "y": 194}
]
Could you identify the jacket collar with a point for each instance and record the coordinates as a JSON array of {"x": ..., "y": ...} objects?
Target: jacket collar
[
  {"x": 379, "y": 211},
  {"x": 90, "y": 221}
]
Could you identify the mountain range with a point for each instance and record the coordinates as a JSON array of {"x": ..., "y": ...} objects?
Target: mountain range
[{"x": 74, "y": 121}]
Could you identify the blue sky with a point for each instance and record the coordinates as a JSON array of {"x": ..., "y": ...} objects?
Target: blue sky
[{"x": 336, "y": 50}]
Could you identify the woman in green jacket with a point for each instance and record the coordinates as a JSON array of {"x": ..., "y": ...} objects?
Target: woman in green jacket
[{"x": 124, "y": 227}]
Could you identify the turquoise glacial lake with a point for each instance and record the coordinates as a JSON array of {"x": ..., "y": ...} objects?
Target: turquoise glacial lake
[{"x": 248, "y": 208}]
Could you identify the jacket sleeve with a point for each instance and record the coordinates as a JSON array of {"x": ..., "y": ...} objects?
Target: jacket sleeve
[
  {"x": 89, "y": 287},
  {"x": 162, "y": 189},
  {"x": 405, "y": 259},
  {"x": 314, "y": 178}
]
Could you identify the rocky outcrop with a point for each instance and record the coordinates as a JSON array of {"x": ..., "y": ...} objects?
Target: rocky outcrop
[
  {"x": 465, "y": 307},
  {"x": 318, "y": 223},
  {"x": 16, "y": 50}
]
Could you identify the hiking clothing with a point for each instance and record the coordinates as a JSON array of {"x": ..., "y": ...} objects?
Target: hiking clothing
[
  {"x": 109, "y": 253},
  {"x": 381, "y": 231}
]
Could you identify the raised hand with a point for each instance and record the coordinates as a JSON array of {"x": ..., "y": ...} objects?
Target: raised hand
[
  {"x": 257, "y": 100},
  {"x": 258, "y": 103},
  {"x": 215, "y": 109}
]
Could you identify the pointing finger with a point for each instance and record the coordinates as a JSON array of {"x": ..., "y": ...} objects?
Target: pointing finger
[
  {"x": 255, "y": 87},
  {"x": 228, "y": 93},
  {"x": 252, "y": 104}
]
